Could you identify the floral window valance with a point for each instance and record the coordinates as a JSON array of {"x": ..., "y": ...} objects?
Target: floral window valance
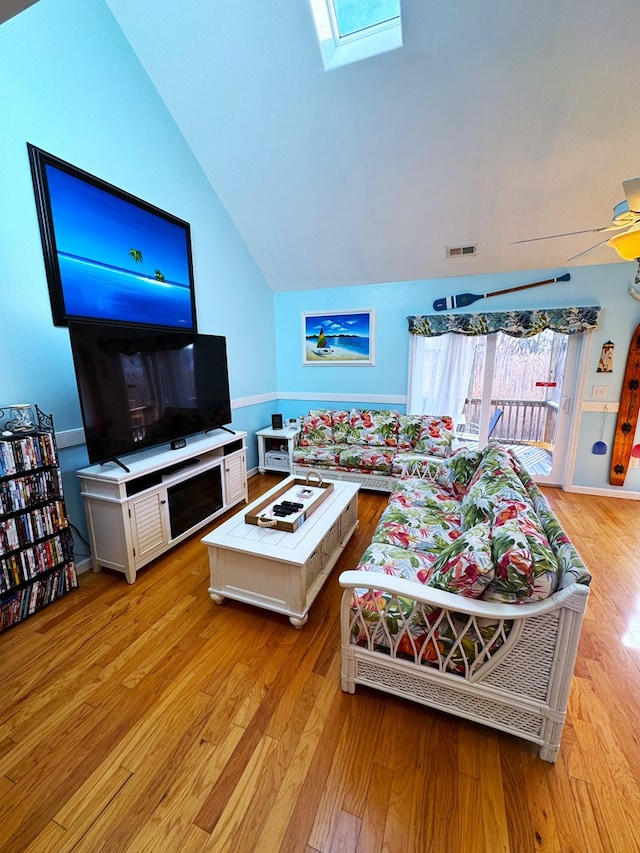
[{"x": 518, "y": 324}]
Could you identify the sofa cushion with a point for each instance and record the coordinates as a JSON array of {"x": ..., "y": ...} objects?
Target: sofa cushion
[
  {"x": 397, "y": 561},
  {"x": 341, "y": 426},
  {"x": 497, "y": 459},
  {"x": 493, "y": 481},
  {"x": 426, "y": 434},
  {"x": 526, "y": 568},
  {"x": 317, "y": 454},
  {"x": 466, "y": 565},
  {"x": 420, "y": 633},
  {"x": 316, "y": 428},
  {"x": 457, "y": 472},
  {"x": 421, "y": 528},
  {"x": 364, "y": 458},
  {"x": 343, "y": 432},
  {"x": 418, "y": 492},
  {"x": 368, "y": 427},
  {"x": 572, "y": 570}
]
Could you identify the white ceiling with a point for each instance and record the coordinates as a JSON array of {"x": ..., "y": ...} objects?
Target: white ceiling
[{"x": 496, "y": 121}]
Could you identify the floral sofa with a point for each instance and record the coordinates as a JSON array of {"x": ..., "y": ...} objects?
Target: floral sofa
[
  {"x": 373, "y": 448},
  {"x": 469, "y": 599}
]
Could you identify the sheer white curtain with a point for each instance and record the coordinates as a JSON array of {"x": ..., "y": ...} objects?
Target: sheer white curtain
[{"x": 439, "y": 374}]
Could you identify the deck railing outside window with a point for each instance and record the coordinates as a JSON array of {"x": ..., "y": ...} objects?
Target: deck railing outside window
[{"x": 523, "y": 421}]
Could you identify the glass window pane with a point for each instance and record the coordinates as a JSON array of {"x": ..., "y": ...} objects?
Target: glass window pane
[{"x": 352, "y": 16}]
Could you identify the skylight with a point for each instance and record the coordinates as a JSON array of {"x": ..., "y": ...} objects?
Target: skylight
[
  {"x": 350, "y": 30},
  {"x": 355, "y": 16}
]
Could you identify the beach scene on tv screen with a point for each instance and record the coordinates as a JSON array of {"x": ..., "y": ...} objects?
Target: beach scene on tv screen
[{"x": 118, "y": 261}]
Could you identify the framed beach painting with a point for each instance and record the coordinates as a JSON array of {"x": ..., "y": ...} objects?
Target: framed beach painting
[{"x": 338, "y": 337}]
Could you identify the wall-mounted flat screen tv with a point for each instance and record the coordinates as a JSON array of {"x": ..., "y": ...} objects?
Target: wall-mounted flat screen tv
[
  {"x": 141, "y": 387},
  {"x": 109, "y": 256}
]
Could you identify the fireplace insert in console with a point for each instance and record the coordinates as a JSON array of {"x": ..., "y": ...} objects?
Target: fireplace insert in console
[{"x": 194, "y": 500}]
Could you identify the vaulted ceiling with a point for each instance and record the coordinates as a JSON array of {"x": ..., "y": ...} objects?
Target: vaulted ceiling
[{"x": 495, "y": 122}]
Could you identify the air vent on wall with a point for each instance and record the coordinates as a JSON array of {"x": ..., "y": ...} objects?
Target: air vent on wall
[{"x": 461, "y": 251}]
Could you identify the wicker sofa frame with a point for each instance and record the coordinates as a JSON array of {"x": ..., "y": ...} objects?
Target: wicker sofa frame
[
  {"x": 376, "y": 482},
  {"x": 521, "y": 689}
]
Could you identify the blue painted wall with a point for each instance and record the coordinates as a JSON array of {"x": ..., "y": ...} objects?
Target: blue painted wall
[
  {"x": 72, "y": 86},
  {"x": 304, "y": 386}
]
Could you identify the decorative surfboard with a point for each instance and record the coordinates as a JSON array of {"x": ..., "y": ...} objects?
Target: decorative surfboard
[{"x": 627, "y": 414}]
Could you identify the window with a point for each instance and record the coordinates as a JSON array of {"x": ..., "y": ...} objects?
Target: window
[
  {"x": 539, "y": 423},
  {"x": 473, "y": 378},
  {"x": 353, "y": 16},
  {"x": 350, "y": 30}
]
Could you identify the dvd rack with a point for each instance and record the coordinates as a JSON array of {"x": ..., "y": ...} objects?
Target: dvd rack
[{"x": 36, "y": 547}]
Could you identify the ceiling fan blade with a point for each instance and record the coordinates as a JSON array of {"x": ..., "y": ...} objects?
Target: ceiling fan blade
[
  {"x": 587, "y": 251},
  {"x": 632, "y": 193},
  {"x": 572, "y": 233}
]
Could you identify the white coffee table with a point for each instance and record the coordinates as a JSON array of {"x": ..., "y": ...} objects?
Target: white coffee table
[{"x": 277, "y": 570}]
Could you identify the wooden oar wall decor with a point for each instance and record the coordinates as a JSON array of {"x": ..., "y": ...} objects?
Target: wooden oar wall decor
[{"x": 464, "y": 299}]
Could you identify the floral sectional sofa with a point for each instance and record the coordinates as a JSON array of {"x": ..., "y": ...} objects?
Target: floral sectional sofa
[
  {"x": 469, "y": 599},
  {"x": 373, "y": 448}
]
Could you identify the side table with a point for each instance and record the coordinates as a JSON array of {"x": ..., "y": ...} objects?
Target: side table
[{"x": 275, "y": 448}]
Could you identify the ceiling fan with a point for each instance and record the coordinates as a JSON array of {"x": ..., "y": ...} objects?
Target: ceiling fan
[{"x": 626, "y": 220}]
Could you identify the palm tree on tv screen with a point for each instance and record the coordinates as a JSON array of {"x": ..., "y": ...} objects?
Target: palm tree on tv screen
[{"x": 138, "y": 258}]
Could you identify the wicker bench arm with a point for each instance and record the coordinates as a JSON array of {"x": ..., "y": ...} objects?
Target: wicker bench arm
[{"x": 574, "y": 597}]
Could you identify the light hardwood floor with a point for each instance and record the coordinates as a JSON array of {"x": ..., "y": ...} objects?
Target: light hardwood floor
[{"x": 147, "y": 718}]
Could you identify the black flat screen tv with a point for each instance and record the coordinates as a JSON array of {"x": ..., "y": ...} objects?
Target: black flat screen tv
[
  {"x": 109, "y": 256},
  {"x": 142, "y": 387}
]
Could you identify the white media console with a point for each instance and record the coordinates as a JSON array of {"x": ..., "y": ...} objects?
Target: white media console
[{"x": 165, "y": 495}]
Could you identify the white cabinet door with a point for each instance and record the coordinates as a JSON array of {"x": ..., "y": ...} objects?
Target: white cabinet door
[
  {"x": 149, "y": 525},
  {"x": 235, "y": 479}
]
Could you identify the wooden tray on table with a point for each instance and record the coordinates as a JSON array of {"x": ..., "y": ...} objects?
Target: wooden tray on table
[{"x": 310, "y": 491}]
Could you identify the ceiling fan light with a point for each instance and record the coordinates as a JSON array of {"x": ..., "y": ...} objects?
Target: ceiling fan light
[{"x": 627, "y": 244}]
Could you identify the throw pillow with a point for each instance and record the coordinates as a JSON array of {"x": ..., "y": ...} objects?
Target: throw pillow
[
  {"x": 525, "y": 566},
  {"x": 373, "y": 427},
  {"x": 465, "y": 566},
  {"x": 316, "y": 428},
  {"x": 456, "y": 472},
  {"x": 426, "y": 434},
  {"x": 493, "y": 481}
]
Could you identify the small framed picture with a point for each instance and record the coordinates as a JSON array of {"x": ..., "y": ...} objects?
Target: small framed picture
[{"x": 343, "y": 338}]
